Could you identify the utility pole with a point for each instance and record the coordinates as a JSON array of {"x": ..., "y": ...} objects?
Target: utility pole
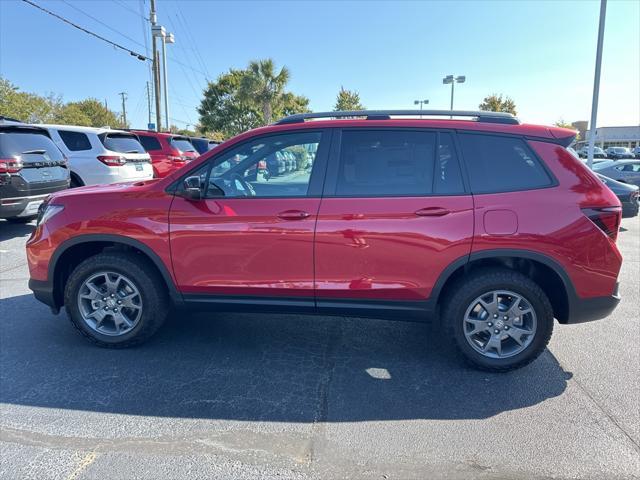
[
  {"x": 596, "y": 84},
  {"x": 149, "y": 102},
  {"x": 156, "y": 67},
  {"x": 124, "y": 108}
]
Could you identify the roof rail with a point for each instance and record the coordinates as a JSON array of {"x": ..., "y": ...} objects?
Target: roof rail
[{"x": 480, "y": 116}]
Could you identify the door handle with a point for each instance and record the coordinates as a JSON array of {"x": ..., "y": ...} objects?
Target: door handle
[
  {"x": 432, "y": 212},
  {"x": 293, "y": 215}
]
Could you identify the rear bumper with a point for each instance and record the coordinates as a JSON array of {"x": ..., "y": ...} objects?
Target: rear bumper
[
  {"x": 20, "y": 207},
  {"x": 596, "y": 308}
]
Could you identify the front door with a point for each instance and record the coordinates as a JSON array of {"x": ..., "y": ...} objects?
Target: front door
[
  {"x": 394, "y": 215},
  {"x": 251, "y": 233}
]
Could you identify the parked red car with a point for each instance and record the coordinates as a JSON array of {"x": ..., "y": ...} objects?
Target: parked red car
[
  {"x": 487, "y": 226},
  {"x": 168, "y": 151}
]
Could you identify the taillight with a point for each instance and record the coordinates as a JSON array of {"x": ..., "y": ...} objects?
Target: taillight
[
  {"x": 262, "y": 165},
  {"x": 10, "y": 165},
  {"x": 606, "y": 219},
  {"x": 112, "y": 160}
]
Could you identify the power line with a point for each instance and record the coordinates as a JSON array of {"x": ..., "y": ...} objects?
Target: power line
[
  {"x": 123, "y": 5},
  {"x": 139, "y": 56},
  {"x": 103, "y": 24}
]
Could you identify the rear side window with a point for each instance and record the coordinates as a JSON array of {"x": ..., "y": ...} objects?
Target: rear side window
[
  {"x": 182, "y": 144},
  {"x": 150, "y": 143},
  {"x": 401, "y": 162},
  {"x": 121, "y": 143},
  {"x": 501, "y": 164},
  {"x": 75, "y": 141},
  {"x": 24, "y": 142}
]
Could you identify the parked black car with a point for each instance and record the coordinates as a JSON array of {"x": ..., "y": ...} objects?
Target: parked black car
[
  {"x": 618, "y": 153},
  {"x": 203, "y": 144},
  {"x": 31, "y": 167},
  {"x": 597, "y": 152},
  {"x": 627, "y": 194}
]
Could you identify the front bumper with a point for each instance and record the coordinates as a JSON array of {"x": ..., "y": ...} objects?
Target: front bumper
[{"x": 596, "y": 308}]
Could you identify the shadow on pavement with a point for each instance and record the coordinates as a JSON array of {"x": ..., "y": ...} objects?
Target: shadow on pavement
[
  {"x": 259, "y": 368},
  {"x": 10, "y": 230}
]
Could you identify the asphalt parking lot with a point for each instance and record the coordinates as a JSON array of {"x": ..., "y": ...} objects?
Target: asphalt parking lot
[{"x": 248, "y": 396}]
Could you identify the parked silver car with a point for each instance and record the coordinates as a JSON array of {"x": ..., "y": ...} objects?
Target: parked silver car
[{"x": 627, "y": 171}]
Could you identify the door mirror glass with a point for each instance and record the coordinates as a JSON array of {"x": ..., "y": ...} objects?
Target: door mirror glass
[{"x": 191, "y": 188}]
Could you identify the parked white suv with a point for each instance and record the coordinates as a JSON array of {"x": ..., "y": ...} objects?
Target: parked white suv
[{"x": 101, "y": 155}]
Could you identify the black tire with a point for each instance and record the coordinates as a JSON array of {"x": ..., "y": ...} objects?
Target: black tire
[
  {"x": 22, "y": 219},
  {"x": 152, "y": 288},
  {"x": 470, "y": 287}
]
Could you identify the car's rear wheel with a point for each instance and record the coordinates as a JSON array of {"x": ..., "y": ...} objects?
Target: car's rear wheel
[
  {"x": 116, "y": 300},
  {"x": 501, "y": 320}
]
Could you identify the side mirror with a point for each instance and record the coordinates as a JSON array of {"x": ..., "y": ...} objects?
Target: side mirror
[{"x": 191, "y": 188}]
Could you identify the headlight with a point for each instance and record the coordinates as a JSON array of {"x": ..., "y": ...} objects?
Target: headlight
[{"x": 46, "y": 211}]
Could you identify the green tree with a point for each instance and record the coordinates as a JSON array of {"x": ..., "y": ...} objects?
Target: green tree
[
  {"x": 347, "y": 100},
  {"x": 264, "y": 86},
  {"x": 226, "y": 110},
  {"x": 223, "y": 112},
  {"x": 89, "y": 112},
  {"x": 27, "y": 107},
  {"x": 495, "y": 103}
]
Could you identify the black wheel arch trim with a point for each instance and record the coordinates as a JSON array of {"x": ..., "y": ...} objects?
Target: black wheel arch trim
[{"x": 175, "y": 295}]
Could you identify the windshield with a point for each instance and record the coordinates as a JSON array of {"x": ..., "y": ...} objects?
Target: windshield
[
  {"x": 620, "y": 150},
  {"x": 182, "y": 144},
  {"x": 122, "y": 143}
]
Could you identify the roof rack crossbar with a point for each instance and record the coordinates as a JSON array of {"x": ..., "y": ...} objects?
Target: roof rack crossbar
[{"x": 480, "y": 116}]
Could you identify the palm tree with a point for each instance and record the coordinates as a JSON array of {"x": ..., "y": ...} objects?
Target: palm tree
[{"x": 263, "y": 86}]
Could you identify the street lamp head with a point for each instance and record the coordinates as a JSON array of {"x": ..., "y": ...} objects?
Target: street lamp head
[
  {"x": 158, "y": 31},
  {"x": 447, "y": 79},
  {"x": 416, "y": 102},
  {"x": 425, "y": 101},
  {"x": 169, "y": 38},
  {"x": 461, "y": 79}
]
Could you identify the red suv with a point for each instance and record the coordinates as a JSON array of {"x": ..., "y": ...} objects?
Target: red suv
[
  {"x": 168, "y": 151},
  {"x": 487, "y": 226}
]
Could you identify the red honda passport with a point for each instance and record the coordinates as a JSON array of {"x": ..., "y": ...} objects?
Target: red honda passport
[{"x": 485, "y": 225}]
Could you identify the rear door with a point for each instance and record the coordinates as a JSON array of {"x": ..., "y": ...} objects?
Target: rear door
[
  {"x": 394, "y": 215},
  {"x": 250, "y": 235}
]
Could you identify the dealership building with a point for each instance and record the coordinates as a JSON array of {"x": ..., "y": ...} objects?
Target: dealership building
[{"x": 610, "y": 136}]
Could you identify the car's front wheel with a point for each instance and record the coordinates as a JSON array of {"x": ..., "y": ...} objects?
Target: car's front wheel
[
  {"x": 500, "y": 319},
  {"x": 116, "y": 299}
]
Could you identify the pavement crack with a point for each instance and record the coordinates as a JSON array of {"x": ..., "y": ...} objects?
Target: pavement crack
[{"x": 608, "y": 415}]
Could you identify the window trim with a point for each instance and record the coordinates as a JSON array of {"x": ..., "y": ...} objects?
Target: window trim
[
  {"x": 316, "y": 179},
  {"x": 333, "y": 169},
  {"x": 553, "y": 180}
]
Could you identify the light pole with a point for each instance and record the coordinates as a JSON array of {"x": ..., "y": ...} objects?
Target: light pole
[
  {"x": 421, "y": 102},
  {"x": 156, "y": 69},
  {"x": 596, "y": 85},
  {"x": 453, "y": 80}
]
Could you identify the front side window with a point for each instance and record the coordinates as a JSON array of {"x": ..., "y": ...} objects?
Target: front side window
[
  {"x": 75, "y": 141},
  {"x": 275, "y": 166},
  {"x": 501, "y": 164},
  {"x": 397, "y": 163}
]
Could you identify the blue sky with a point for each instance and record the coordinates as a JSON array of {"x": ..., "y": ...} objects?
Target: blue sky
[{"x": 540, "y": 53}]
